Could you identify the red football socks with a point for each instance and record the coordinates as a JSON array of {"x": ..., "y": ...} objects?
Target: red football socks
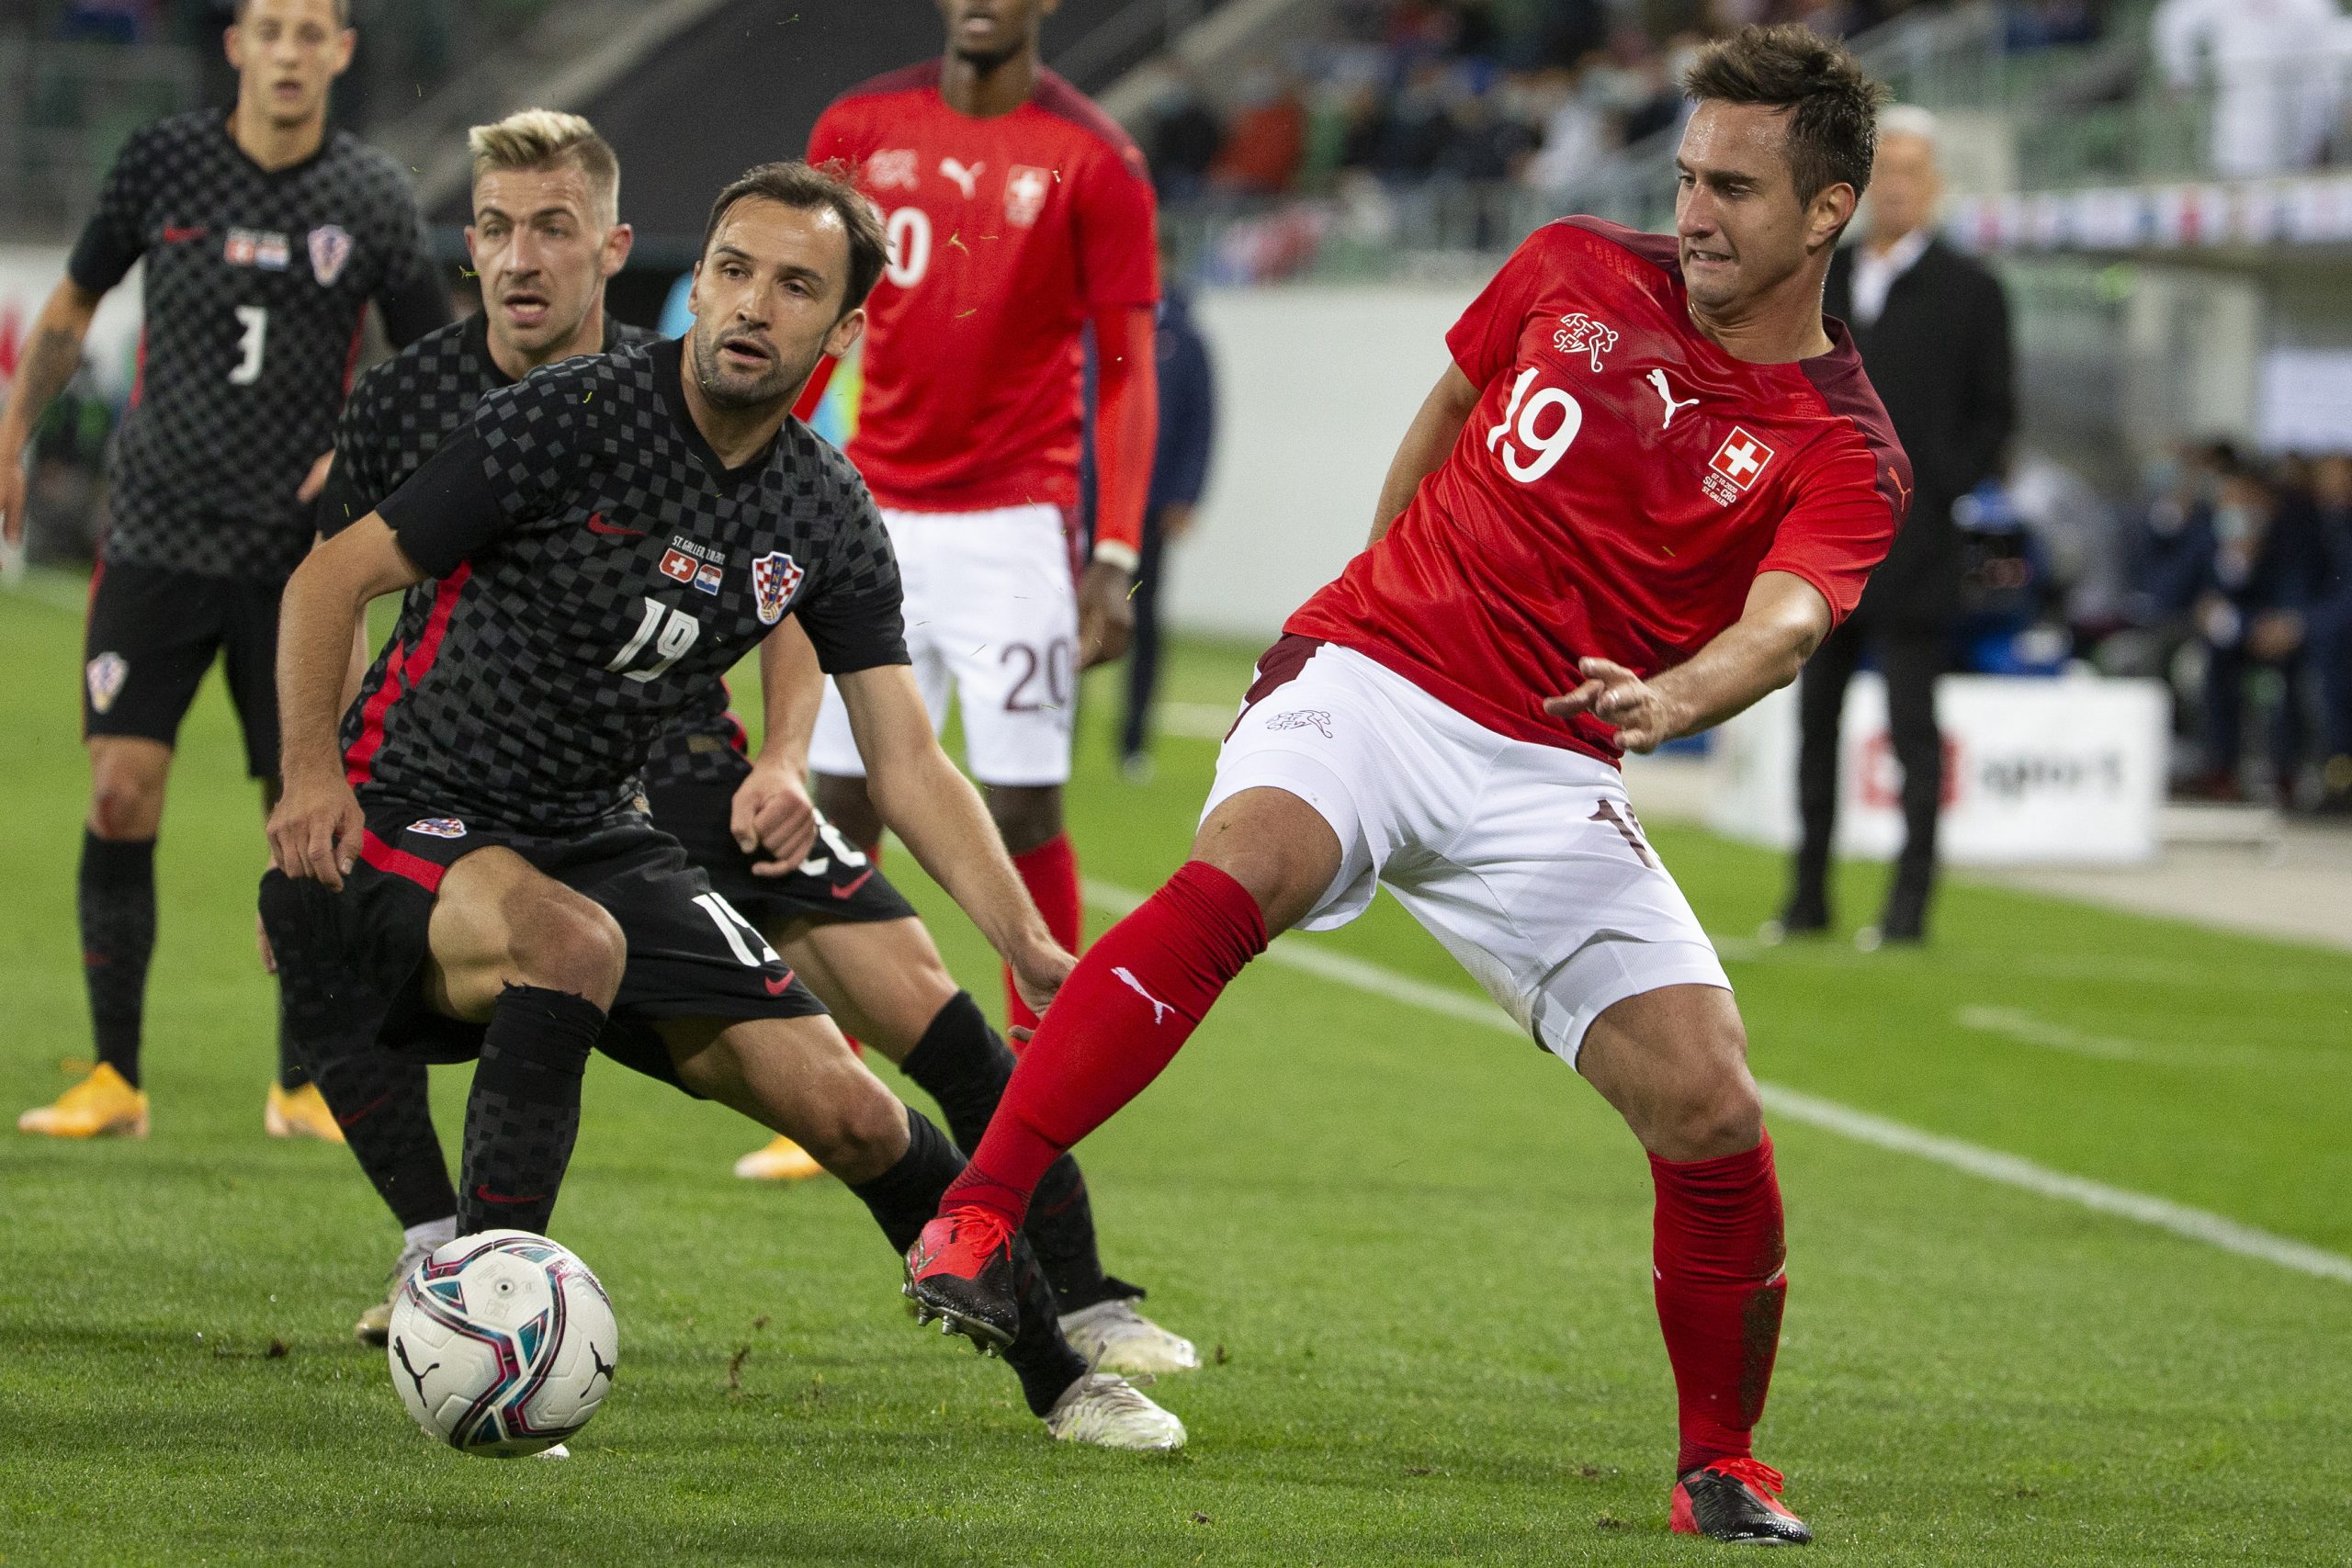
[
  {"x": 1718, "y": 1256},
  {"x": 1121, "y": 1017},
  {"x": 1050, "y": 873}
]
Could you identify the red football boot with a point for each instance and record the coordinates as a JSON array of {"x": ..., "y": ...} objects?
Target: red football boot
[
  {"x": 1736, "y": 1500},
  {"x": 960, "y": 1272}
]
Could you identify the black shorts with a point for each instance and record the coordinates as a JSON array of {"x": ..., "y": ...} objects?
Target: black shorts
[
  {"x": 835, "y": 884},
  {"x": 152, "y": 635},
  {"x": 351, "y": 962}
]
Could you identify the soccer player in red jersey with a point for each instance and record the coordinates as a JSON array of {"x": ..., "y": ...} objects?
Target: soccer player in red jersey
[
  {"x": 1650, "y": 483},
  {"x": 1019, "y": 215}
]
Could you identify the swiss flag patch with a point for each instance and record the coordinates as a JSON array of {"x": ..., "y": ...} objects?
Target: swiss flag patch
[
  {"x": 679, "y": 567},
  {"x": 1741, "y": 457}
]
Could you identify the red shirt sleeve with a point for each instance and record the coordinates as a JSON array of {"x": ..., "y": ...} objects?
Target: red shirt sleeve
[
  {"x": 1118, "y": 245},
  {"x": 829, "y": 138},
  {"x": 1839, "y": 527},
  {"x": 1486, "y": 340}
]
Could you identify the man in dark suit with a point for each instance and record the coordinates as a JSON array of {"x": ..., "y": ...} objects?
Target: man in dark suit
[{"x": 1933, "y": 329}]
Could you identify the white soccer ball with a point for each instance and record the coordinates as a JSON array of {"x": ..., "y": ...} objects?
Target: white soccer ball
[{"x": 503, "y": 1344}]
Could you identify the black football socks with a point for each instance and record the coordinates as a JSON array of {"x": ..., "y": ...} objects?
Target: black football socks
[
  {"x": 524, "y": 1113},
  {"x": 904, "y": 1198},
  {"x": 382, "y": 1102},
  {"x": 291, "y": 1074},
  {"x": 961, "y": 1063},
  {"x": 116, "y": 889}
]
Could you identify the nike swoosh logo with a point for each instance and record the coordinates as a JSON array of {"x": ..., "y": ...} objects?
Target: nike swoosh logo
[
  {"x": 483, "y": 1192},
  {"x": 777, "y": 988},
  {"x": 596, "y": 524},
  {"x": 176, "y": 235},
  {"x": 358, "y": 1116},
  {"x": 853, "y": 887}
]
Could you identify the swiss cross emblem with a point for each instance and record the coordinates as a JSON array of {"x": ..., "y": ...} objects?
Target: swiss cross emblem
[
  {"x": 678, "y": 566},
  {"x": 1579, "y": 333},
  {"x": 891, "y": 168},
  {"x": 1741, "y": 457},
  {"x": 1025, "y": 190}
]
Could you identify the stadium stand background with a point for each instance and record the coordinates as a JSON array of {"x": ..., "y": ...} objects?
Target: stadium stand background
[{"x": 1328, "y": 165}]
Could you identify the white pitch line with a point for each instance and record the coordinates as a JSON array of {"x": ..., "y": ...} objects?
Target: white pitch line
[
  {"x": 1293, "y": 951},
  {"x": 2015, "y": 1023}
]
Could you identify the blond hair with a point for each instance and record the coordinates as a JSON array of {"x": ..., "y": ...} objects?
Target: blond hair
[{"x": 549, "y": 139}]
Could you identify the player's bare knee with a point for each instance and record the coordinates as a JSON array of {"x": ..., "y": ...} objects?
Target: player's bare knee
[
  {"x": 566, "y": 942},
  {"x": 1026, "y": 816},
  {"x": 859, "y": 1133},
  {"x": 126, "y": 796},
  {"x": 1720, "y": 1114}
]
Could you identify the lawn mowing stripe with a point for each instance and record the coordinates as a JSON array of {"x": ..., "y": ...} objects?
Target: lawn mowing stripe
[{"x": 1292, "y": 952}]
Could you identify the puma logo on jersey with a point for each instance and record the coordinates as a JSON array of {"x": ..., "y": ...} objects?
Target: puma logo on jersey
[
  {"x": 1160, "y": 1010},
  {"x": 966, "y": 180},
  {"x": 1658, "y": 380}
]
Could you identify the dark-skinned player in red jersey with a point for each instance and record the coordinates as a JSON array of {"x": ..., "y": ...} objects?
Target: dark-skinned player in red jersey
[
  {"x": 263, "y": 237},
  {"x": 1651, "y": 481},
  {"x": 1020, "y": 216}
]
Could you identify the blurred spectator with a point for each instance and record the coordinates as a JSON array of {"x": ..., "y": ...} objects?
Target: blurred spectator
[
  {"x": 2275, "y": 66},
  {"x": 1932, "y": 327},
  {"x": 2258, "y": 582},
  {"x": 1180, "y": 472},
  {"x": 1266, "y": 143},
  {"x": 1484, "y": 146},
  {"x": 1181, "y": 137},
  {"x": 2329, "y": 619},
  {"x": 1578, "y": 136}
]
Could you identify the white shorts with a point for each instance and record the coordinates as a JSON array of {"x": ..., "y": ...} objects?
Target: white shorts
[
  {"x": 992, "y": 610},
  {"x": 1526, "y": 861}
]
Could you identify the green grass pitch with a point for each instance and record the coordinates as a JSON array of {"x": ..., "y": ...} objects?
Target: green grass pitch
[{"x": 1417, "y": 1251}]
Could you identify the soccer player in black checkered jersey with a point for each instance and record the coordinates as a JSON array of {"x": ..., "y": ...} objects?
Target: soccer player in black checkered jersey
[
  {"x": 469, "y": 872},
  {"x": 263, "y": 237},
  {"x": 545, "y": 236}
]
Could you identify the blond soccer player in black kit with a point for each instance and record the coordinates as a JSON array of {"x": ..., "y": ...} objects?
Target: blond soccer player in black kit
[{"x": 265, "y": 237}]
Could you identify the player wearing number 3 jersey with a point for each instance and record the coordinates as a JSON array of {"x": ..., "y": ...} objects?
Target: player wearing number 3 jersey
[
  {"x": 262, "y": 238},
  {"x": 1020, "y": 216},
  {"x": 1651, "y": 481}
]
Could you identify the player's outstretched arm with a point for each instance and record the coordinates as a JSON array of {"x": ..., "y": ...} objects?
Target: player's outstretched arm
[
  {"x": 52, "y": 355},
  {"x": 1784, "y": 620},
  {"x": 772, "y": 807},
  {"x": 1428, "y": 439},
  {"x": 1126, "y": 440},
  {"x": 921, "y": 797},
  {"x": 315, "y": 830}
]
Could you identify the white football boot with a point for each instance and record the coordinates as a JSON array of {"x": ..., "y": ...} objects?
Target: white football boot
[
  {"x": 1115, "y": 1338},
  {"x": 375, "y": 1325},
  {"x": 1110, "y": 1413}
]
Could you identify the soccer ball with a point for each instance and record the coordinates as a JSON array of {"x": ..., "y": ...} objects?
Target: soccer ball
[{"x": 503, "y": 1344}]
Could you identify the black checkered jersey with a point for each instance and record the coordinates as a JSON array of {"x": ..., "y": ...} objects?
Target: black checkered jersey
[
  {"x": 255, "y": 284},
  {"x": 597, "y": 572}
]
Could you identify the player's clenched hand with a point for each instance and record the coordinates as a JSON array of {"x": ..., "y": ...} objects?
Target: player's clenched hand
[
  {"x": 1645, "y": 716},
  {"x": 773, "y": 812},
  {"x": 1106, "y": 621},
  {"x": 1038, "y": 973},
  {"x": 316, "y": 830},
  {"x": 316, "y": 479}
]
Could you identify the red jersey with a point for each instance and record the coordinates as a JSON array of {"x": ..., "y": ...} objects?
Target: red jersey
[
  {"x": 1006, "y": 234},
  {"x": 1620, "y": 484}
]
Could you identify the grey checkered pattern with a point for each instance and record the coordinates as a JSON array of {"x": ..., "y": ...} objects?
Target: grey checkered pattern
[
  {"x": 207, "y": 464},
  {"x": 503, "y": 704},
  {"x": 403, "y": 409}
]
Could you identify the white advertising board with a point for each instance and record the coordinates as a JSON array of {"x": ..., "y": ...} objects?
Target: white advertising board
[{"x": 2036, "y": 773}]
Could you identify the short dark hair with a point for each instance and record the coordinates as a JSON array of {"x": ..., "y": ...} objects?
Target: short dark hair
[
  {"x": 796, "y": 185},
  {"x": 342, "y": 12},
  {"x": 1833, "y": 135}
]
